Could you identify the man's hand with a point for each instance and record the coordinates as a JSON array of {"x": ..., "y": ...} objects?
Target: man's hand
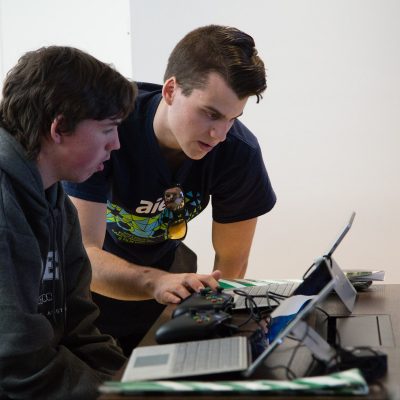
[{"x": 172, "y": 288}]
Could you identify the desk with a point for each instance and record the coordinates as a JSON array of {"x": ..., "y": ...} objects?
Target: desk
[{"x": 378, "y": 300}]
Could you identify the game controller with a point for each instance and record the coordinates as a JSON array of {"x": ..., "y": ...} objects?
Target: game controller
[
  {"x": 194, "y": 325},
  {"x": 206, "y": 299}
]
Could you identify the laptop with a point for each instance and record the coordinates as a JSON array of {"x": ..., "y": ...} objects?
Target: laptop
[
  {"x": 234, "y": 356},
  {"x": 285, "y": 288},
  {"x": 230, "y": 356}
]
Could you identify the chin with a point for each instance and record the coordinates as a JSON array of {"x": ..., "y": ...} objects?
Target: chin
[
  {"x": 80, "y": 179},
  {"x": 196, "y": 155},
  {"x": 196, "y": 158}
]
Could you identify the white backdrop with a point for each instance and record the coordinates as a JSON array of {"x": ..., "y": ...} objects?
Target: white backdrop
[
  {"x": 328, "y": 124},
  {"x": 100, "y": 27}
]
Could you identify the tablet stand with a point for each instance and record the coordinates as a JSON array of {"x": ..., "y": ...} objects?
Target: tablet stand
[{"x": 320, "y": 348}]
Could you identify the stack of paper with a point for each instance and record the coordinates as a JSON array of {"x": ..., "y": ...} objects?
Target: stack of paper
[{"x": 364, "y": 275}]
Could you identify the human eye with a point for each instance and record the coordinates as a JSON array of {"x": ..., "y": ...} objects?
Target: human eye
[
  {"x": 213, "y": 115},
  {"x": 110, "y": 130}
]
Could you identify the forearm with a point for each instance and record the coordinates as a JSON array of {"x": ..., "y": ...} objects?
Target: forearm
[
  {"x": 117, "y": 278},
  {"x": 231, "y": 268},
  {"x": 232, "y": 244}
]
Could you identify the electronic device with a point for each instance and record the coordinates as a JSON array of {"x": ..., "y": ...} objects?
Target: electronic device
[
  {"x": 259, "y": 294},
  {"x": 206, "y": 299},
  {"x": 343, "y": 287},
  {"x": 217, "y": 357},
  {"x": 231, "y": 355},
  {"x": 371, "y": 362},
  {"x": 194, "y": 325}
]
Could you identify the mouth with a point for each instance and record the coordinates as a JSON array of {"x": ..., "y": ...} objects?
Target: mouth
[
  {"x": 100, "y": 167},
  {"x": 206, "y": 146},
  {"x": 105, "y": 160}
]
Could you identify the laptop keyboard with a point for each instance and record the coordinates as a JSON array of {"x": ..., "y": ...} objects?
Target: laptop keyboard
[
  {"x": 207, "y": 355},
  {"x": 283, "y": 289}
]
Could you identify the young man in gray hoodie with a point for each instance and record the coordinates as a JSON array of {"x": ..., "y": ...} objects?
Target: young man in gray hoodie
[{"x": 58, "y": 120}]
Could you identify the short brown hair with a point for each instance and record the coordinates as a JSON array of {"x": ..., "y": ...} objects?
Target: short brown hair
[
  {"x": 221, "y": 49},
  {"x": 65, "y": 81}
]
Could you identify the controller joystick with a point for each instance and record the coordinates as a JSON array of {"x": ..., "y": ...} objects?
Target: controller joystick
[
  {"x": 193, "y": 325},
  {"x": 206, "y": 299}
]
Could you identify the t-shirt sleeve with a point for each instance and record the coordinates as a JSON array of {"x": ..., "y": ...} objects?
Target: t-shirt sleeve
[
  {"x": 244, "y": 190},
  {"x": 96, "y": 188}
]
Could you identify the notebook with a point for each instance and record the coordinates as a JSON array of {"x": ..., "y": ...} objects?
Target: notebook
[
  {"x": 232, "y": 356},
  {"x": 286, "y": 288}
]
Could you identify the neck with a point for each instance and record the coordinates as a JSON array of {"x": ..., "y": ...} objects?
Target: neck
[
  {"x": 161, "y": 128},
  {"x": 166, "y": 140},
  {"x": 46, "y": 171}
]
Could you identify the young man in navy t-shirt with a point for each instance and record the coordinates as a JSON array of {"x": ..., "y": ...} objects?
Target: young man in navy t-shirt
[{"x": 181, "y": 147}]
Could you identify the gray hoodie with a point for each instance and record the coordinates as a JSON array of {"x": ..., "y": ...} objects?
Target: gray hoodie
[{"x": 49, "y": 347}]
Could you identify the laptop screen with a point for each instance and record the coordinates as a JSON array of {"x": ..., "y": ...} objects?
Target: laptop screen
[
  {"x": 322, "y": 277},
  {"x": 315, "y": 287},
  {"x": 341, "y": 236}
]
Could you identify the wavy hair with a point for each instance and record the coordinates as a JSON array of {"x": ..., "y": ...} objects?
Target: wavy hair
[{"x": 66, "y": 81}]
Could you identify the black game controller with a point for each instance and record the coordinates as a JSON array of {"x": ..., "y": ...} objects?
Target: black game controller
[
  {"x": 194, "y": 325},
  {"x": 206, "y": 299}
]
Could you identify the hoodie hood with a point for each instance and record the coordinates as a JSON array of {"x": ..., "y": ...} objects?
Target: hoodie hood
[
  {"x": 22, "y": 171},
  {"x": 41, "y": 209}
]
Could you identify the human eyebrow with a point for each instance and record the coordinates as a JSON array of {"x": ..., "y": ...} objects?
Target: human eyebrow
[
  {"x": 110, "y": 124},
  {"x": 115, "y": 122},
  {"x": 218, "y": 114}
]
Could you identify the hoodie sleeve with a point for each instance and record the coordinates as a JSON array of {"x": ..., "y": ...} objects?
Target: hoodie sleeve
[{"x": 37, "y": 361}]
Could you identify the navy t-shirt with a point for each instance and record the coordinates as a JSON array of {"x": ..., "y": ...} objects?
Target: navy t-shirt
[{"x": 132, "y": 183}]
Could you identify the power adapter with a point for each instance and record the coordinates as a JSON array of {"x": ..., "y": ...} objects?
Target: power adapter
[{"x": 371, "y": 362}]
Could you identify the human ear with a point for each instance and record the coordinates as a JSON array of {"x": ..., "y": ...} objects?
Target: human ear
[
  {"x": 55, "y": 129},
  {"x": 169, "y": 90}
]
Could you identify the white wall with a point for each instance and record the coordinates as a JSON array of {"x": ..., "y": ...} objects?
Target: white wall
[
  {"x": 328, "y": 124},
  {"x": 100, "y": 27}
]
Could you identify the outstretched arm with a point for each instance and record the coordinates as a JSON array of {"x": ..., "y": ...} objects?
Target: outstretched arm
[
  {"x": 232, "y": 244},
  {"x": 117, "y": 278}
]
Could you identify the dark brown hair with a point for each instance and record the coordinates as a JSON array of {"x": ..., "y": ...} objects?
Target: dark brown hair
[
  {"x": 53, "y": 81},
  {"x": 221, "y": 49}
]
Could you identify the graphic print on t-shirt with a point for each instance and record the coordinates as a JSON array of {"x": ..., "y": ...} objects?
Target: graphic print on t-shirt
[{"x": 139, "y": 228}]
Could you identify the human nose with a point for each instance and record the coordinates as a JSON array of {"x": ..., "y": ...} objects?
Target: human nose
[
  {"x": 220, "y": 130},
  {"x": 114, "y": 143}
]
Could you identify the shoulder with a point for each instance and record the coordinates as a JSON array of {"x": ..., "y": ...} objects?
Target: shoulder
[
  {"x": 148, "y": 87},
  {"x": 240, "y": 144},
  {"x": 239, "y": 134},
  {"x": 147, "y": 91},
  {"x": 148, "y": 94}
]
